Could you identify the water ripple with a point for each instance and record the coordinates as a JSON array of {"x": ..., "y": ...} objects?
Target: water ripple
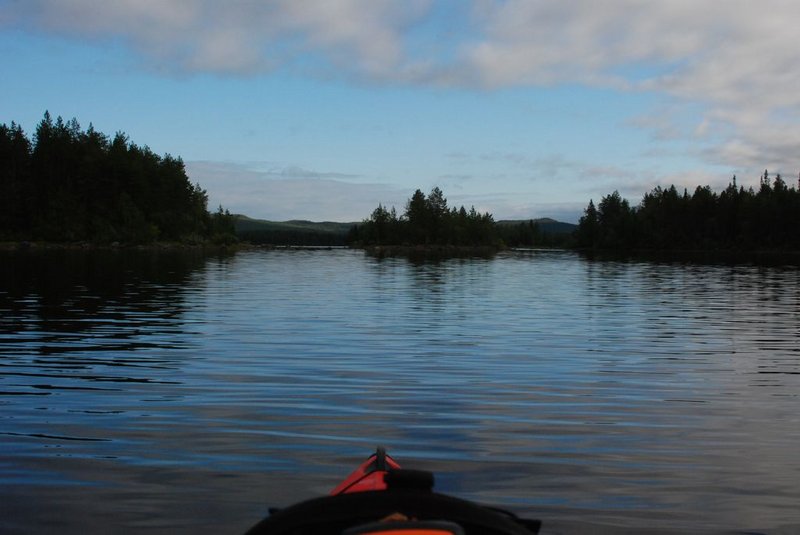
[{"x": 611, "y": 393}]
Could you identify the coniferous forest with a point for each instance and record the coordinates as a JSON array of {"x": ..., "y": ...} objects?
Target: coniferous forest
[
  {"x": 426, "y": 221},
  {"x": 72, "y": 185},
  {"x": 736, "y": 219}
]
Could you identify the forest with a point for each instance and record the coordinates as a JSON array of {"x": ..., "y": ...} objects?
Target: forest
[
  {"x": 74, "y": 185},
  {"x": 428, "y": 221},
  {"x": 736, "y": 219}
]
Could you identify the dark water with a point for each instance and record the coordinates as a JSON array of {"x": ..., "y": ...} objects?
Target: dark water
[{"x": 177, "y": 393}]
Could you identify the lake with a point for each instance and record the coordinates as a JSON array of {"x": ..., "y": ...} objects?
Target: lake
[{"x": 174, "y": 392}]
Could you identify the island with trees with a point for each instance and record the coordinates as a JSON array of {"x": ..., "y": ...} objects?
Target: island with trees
[
  {"x": 736, "y": 220},
  {"x": 429, "y": 227},
  {"x": 69, "y": 185}
]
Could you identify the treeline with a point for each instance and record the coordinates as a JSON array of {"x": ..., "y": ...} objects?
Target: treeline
[
  {"x": 734, "y": 219},
  {"x": 539, "y": 233},
  {"x": 428, "y": 220},
  {"x": 70, "y": 185}
]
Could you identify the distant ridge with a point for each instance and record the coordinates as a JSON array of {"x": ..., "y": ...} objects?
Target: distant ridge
[
  {"x": 304, "y": 232},
  {"x": 293, "y": 232},
  {"x": 246, "y": 223}
]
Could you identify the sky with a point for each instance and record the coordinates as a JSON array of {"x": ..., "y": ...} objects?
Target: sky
[{"x": 321, "y": 109}]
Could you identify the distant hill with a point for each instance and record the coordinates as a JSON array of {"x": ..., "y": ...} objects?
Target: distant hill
[
  {"x": 295, "y": 232},
  {"x": 546, "y": 225},
  {"x": 245, "y": 223}
]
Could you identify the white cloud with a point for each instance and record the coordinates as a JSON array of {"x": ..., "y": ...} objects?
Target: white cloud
[
  {"x": 281, "y": 194},
  {"x": 238, "y": 36},
  {"x": 736, "y": 60}
]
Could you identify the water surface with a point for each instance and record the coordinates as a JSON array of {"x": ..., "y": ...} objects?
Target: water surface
[{"x": 171, "y": 392}]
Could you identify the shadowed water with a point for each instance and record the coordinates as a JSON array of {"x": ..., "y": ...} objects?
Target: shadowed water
[{"x": 145, "y": 392}]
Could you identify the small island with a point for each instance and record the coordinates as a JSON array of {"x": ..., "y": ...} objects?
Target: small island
[{"x": 430, "y": 229}]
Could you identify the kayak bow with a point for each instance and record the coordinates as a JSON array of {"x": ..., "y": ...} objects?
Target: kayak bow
[
  {"x": 369, "y": 476},
  {"x": 381, "y": 498}
]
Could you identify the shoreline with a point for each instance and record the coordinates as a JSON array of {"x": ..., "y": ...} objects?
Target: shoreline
[
  {"x": 22, "y": 246},
  {"x": 425, "y": 252},
  {"x": 757, "y": 256},
  {"x": 89, "y": 246}
]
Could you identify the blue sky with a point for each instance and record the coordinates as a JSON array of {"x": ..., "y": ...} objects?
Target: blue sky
[{"x": 321, "y": 109}]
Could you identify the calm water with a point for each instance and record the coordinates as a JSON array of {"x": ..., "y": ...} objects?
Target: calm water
[{"x": 177, "y": 393}]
